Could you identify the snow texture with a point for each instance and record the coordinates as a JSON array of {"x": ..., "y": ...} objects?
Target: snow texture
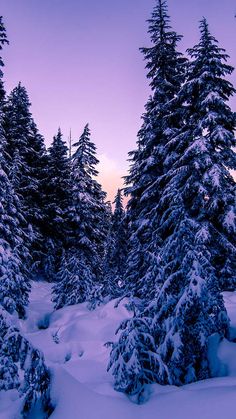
[{"x": 73, "y": 339}]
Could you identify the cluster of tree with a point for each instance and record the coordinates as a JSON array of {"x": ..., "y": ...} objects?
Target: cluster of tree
[
  {"x": 172, "y": 252},
  {"x": 181, "y": 216},
  {"x": 55, "y": 224},
  {"x": 21, "y": 366},
  {"x": 57, "y": 209}
]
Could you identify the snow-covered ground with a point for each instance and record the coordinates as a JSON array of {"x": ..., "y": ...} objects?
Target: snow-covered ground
[{"x": 72, "y": 340}]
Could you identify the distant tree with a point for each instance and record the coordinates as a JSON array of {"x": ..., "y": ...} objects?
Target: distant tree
[
  {"x": 74, "y": 280},
  {"x": 116, "y": 253},
  {"x": 3, "y": 41},
  {"x": 87, "y": 214},
  {"x": 56, "y": 202}
]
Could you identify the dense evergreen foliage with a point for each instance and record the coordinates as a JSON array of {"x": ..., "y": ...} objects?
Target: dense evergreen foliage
[
  {"x": 26, "y": 161},
  {"x": 21, "y": 366},
  {"x": 171, "y": 252},
  {"x": 15, "y": 236},
  {"x": 81, "y": 268},
  {"x": 55, "y": 202},
  {"x": 117, "y": 250},
  {"x": 192, "y": 240},
  {"x": 166, "y": 68}
]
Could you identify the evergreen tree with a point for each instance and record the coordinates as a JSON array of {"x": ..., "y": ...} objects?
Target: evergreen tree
[
  {"x": 56, "y": 202},
  {"x": 133, "y": 361},
  {"x": 82, "y": 267},
  {"x": 57, "y": 189},
  {"x": 26, "y": 161},
  {"x": 194, "y": 224},
  {"x": 24, "y": 141},
  {"x": 22, "y": 368},
  {"x": 166, "y": 67},
  {"x": 14, "y": 234},
  {"x": 209, "y": 138},
  {"x": 198, "y": 210},
  {"x": 74, "y": 280},
  {"x": 116, "y": 254}
]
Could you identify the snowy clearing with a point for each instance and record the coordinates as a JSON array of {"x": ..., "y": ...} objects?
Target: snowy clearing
[{"x": 72, "y": 340}]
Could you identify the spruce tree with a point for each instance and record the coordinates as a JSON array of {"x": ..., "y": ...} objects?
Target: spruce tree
[
  {"x": 133, "y": 361},
  {"x": 57, "y": 188},
  {"x": 22, "y": 368},
  {"x": 81, "y": 269},
  {"x": 14, "y": 233},
  {"x": 166, "y": 67},
  {"x": 24, "y": 141},
  {"x": 194, "y": 223},
  {"x": 210, "y": 126},
  {"x": 198, "y": 251},
  {"x": 26, "y": 161},
  {"x": 56, "y": 201},
  {"x": 116, "y": 253},
  {"x": 14, "y": 253}
]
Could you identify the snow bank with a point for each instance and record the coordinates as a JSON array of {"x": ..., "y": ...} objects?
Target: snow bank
[{"x": 73, "y": 339}]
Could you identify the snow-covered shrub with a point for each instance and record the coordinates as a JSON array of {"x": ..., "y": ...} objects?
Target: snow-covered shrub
[{"x": 22, "y": 367}]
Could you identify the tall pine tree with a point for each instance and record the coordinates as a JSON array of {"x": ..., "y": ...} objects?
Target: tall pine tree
[
  {"x": 14, "y": 233},
  {"x": 166, "y": 68},
  {"x": 56, "y": 202},
  {"x": 26, "y": 161},
  {"x": 22, "y": 367},
  {"x": 196, "y": 227}
]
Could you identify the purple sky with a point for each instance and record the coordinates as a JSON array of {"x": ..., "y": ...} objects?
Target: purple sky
[{"x": 80, "y": 62}]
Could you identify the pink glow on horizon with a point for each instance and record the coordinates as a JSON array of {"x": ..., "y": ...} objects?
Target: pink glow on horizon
[{"x": 80, "y": 62}]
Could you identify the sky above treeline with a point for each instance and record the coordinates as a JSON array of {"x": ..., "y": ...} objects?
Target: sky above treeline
[{"x": 80, "y": 62}]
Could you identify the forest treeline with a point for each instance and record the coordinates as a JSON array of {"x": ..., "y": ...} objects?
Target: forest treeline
[{"x": 171, "y": 252}]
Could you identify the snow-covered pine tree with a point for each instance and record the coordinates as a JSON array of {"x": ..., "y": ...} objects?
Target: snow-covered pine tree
[
  {"x": 26, "y": 160},
  {"x": 56, "y": 202},
  {"x": 197, "y": 227},
  {"x": 24, "y": 140},
  {"x": 194, "y": 222},
  {"x": 14, "y": 234},
  {"x": 22, "y": 368},
  {"x": 133, "y": 360},
  {"x": 166, "y": 67},
  {"x": 74, "y": 280},
  {"x": 210, "y": 126},
  {"x": 116, "y": 252},
  {"x": 14, "y": 255},
  {"x": 81, "y": 270},
  {"x": 37, "y": 162}
]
